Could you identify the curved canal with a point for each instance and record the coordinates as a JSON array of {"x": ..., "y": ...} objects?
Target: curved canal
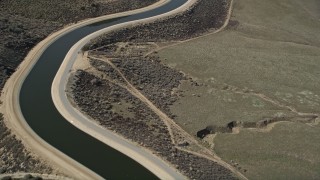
[{"x": 40, "y": 113}]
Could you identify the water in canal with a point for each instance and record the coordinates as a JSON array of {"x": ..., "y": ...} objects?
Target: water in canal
[{"x": 40, "y": 113}]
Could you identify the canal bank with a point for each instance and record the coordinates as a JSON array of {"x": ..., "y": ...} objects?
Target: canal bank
[
  {"x": 40, "y": 113},
  {"x": 144, "y": 157}
]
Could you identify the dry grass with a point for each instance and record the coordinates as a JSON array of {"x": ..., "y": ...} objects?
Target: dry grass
[
  {"x": 266, "y": 64},
  {"x": 290, "y": 151}
]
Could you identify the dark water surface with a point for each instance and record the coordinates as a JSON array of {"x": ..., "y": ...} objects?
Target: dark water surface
[{"x": 39, "y": 111}]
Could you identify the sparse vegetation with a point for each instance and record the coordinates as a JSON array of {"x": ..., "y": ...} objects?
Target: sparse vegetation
[
  {"x": 22, "y": 25},
  {"x": 143, "y": 126},
  {"x": 128, "y": 51},
  {"x": 204, "y": 16},
  {"x": 288, "y": 151},
  {"x": 263, "y": 68},
  {"x": 14, "y": 157}
]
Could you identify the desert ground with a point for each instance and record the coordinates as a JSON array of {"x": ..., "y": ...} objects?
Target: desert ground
[
  {"x": 257, "y": 90},
  {"x": 123, "y": 86},
  {"x": 225, "y": 90},
  {"x": 247, "y": 92}
]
